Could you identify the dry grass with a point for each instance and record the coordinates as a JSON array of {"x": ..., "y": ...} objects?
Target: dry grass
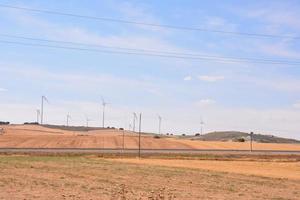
[
  {"x": 91, "y": 177},
  {"x": 275, "y": 169}
]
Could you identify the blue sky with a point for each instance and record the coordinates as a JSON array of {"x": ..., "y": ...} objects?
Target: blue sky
[{"x": 264, "y": 98}]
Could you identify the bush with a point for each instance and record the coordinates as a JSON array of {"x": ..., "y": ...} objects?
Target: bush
[
  {"x": 4, "y": 123},
  {"x": 121, "y": 129},
  {"x": 240, "y": 140},
  {"x": 156, "y": 136},
  {"x": 183, "y": 134},
  {"x": 197, "y": 134},
  {"x": 33, "y": 123}
]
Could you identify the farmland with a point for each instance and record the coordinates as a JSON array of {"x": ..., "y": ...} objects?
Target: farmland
[
  {"x": 157, "y": 176},
  {"x": 93, "y": 177},
  {"x": 32, "y": 136}
]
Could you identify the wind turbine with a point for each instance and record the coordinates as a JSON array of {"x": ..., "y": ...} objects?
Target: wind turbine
[
  {"x": 38, "y": 112},
  {"x": 129, "y": 126},
  {"x": 159, "y": 123},
  {"x": 134, "y": 118},
  {"x": 44, "y": 98},
  {"x": 68, "y": 117},
  {"x": 103, "y": 111},
  {"x": 87, "y": 120},
  {"x": 202, "y": 124}
]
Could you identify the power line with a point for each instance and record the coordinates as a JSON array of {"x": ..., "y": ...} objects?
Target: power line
[
  {"x": 144, "y": 50},
  {"x": 51, "y": 12},
  {"x": 230, "y": 60}
]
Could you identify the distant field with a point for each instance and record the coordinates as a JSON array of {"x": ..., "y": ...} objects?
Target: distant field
[
  {"x": 91, "y": 177},
  {"x": 43, "y": 137}
]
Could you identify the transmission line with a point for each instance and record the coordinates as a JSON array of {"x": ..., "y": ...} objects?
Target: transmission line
[
  {"x": 52, "y": 12},
  {"x": 146, "y": 51},
  {"x": 148, "y": 54}
]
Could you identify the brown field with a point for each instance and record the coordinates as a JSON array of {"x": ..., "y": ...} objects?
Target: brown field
[
  {"x": 91, "y": 177},
  {"x": 37, "y": 136},
  {"x": 290, "y": 170}
]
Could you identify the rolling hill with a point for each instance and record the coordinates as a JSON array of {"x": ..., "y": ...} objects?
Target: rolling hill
[{"x": 236, "y": 136}]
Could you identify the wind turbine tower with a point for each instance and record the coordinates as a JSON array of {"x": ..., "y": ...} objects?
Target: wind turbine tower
[
  {"x": 202, "y": 124},
  {"x": 87, "y": 121},
  {"x": 44, "y": 98},
  {"x": 38, "y": 112},
  {"x": 103, "y": 111},
  {"x": 133, "y": 123},
  {"x": 68, "y": 118},
  {"x": 159, "y": 124}
]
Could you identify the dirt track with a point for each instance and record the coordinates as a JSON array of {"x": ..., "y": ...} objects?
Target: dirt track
[{"x": 31, "y": 136}]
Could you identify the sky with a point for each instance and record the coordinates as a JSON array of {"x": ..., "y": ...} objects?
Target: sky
[{"x": 241, "y": 96}]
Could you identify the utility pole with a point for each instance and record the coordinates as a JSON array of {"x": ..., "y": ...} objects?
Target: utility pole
[
  {"x": 140, "y": 124},
  {"x": 38, "y": 115},
  {"x": 123, "y": 146},
  {"x": 251, "y": 139}
]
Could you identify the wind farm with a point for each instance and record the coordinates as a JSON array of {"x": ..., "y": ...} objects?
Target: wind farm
[{"x": 149, "y": 100}]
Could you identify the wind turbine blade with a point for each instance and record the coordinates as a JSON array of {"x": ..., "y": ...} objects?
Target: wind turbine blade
[
  {"x": 45, "y": 98},
  {"x": 103, "y": 102}
]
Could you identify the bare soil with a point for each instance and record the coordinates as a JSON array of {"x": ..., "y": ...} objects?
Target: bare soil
[{"x": 91, "y": 177}]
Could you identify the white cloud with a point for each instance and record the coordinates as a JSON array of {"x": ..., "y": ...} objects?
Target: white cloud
[
  {"x": 281, "y": 49},
  {"x": 79, "y": 81},
  {"x": 205, "y": 102},
  {"x": 297, "y": 105},
  {"x": 218, "y": 23},
  {"x": 3, "y": 90},
  {"x": 280, "y": 84},
  {"x": 210, "y": 78},
  {"x": 139, "y": 13},
  {"x": 131, "y": 40},
  {"x": 277, "y": 16},
  {"x": 187, "y": 78}
]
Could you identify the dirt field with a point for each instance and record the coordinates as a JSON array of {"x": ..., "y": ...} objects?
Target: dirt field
[
  {"x": 37, "y": 136},
  {"x": 91, "y": 177}
]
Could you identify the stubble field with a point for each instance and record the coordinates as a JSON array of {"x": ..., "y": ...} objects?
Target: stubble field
[
  {"x": 40, "y": 137},
  {"x": 92, "y": 177}
]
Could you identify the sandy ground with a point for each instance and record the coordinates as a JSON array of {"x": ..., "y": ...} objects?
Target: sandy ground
[
  {"x": 289, "y": 170},
  {"x": 37, "y": 136},
  {"x": 91, "y": 177}
]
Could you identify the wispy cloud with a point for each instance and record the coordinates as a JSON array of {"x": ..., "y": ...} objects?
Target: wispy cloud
[
  {"x": 282, "y": 49},
  {"x": 279, "y": 84},
  {"x": 208, "y": 78},
  {"x": 139, "y": 13},
  {"x": 3, "y": 90},
  {"x": 219, "y": 23},
  {"x": 297, "y": 105},
  {"x": 187, "y": 78},
  {"x": 205, "y": 102}
]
